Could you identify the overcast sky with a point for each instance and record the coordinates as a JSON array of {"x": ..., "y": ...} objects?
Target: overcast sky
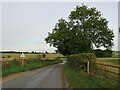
[
  {"x": 119, "y": 26},
  {"x": 26, "y": 25}
]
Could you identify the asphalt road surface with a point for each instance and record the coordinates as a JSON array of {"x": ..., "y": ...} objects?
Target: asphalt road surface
[{"x": 46, "y": 77}]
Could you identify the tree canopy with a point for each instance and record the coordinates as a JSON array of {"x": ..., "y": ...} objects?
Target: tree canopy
[{"x": 85, "y": 29}]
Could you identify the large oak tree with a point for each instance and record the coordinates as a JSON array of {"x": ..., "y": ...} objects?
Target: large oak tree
[{"x": 85, "y": 29}]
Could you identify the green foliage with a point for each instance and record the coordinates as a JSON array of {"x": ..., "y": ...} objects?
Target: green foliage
[
  {"x": 102, "y": 53},
  {"x": 46, "y": 52},
  {"x": 43, "y": 55},
  {"x": 9, "y": 56},
  {"x": 78, "y": 61},
  {"x": 85, "y": 28},
  {"x": 57, "y": 58}
]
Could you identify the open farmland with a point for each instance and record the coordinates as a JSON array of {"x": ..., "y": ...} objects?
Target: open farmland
[
  {"x": 11, "y": 56},
  {"x": 111, "y": 61}
]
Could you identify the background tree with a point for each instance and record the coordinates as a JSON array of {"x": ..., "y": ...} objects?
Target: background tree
[
  {"x": 85, "y": 29},
  {"x": 119, "y": 29},
  {"x": 46, "y": 52},
  {"x": 43, "y": 55},
  {"x": 56, "y": 51}
]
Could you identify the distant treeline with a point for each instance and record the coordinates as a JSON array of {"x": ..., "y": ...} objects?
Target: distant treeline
[
  {"x": 32, "y": 52},
  {"x": 102, "y": 53},
  {"x": 18, "y": 52}
]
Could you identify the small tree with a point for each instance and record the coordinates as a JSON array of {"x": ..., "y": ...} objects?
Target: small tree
[
  {"x": 56, "y": 51},
  {"x": 9, "y": 56},
  {"x": 32, "y": 52},
  {"x": 46, "y": 52},
  {"x": 43, "y": 55}
]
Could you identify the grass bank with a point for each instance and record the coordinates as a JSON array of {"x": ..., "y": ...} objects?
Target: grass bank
[
  {"x": 79, "y": 79},
  {"x": 29, "y": 66}
]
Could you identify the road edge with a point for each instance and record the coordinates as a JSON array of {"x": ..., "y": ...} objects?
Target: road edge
[{"x": 65, "y": 82}]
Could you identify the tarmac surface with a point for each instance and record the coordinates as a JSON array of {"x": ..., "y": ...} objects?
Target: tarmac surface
[{"x": 46, "y": 77}]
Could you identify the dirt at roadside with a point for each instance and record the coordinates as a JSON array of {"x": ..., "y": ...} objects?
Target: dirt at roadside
[{"x": 13, "y": 76}]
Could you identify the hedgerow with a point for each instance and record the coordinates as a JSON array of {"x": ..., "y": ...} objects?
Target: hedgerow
[{"x": 78, "y": 61}]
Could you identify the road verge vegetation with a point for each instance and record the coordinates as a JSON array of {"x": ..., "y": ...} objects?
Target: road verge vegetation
[
  {"x": 75, "y": 71},
  {"x": 80, "y": 79},
  {"x": 99, "y": 76},
  {"x": 16, "y": 67},
  {"x": 79, "y": 61}
]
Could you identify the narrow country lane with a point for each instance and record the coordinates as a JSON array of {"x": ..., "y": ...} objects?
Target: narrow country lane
[{"x": 46, "y": 77}]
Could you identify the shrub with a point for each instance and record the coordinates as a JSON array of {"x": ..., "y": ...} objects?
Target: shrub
[
  {"x": 78, "y": 61},
  {"x": 9, "y": 56},
  {"x": 102, "y": 53},
  {"x": 43, "y": 55},
  {"x": 57, "y": 58},
  {"x": 3, "y": 57}
]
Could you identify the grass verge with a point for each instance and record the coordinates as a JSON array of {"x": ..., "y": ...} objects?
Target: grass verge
[
  {"x": 79, "y": 79},
  {"x": 29, "y": 66}
]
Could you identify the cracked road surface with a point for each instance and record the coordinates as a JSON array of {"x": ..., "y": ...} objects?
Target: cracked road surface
[{"x": 46, "y": 77}]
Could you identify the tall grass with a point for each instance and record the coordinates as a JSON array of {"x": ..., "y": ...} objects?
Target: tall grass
[{"x": 79, "y": 79}]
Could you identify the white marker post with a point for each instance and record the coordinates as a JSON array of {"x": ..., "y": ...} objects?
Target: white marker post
[
  {"x": 22, "y": 56},
  {"x": 88, "y": 67}
]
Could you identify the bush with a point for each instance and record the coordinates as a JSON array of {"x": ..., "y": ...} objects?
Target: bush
[
  {"x": 9, "y": 56},
  {"x": 102, "y": 53},
  {"x": 43, "y": 55},
  {"x": 78, "y": 61},
  {"x": 57, "y": 58}
]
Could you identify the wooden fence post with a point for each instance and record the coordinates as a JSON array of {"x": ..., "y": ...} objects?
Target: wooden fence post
[
  {"x": 88, "y": 68},
  {"x": 119, "y": 78},
  {"x": 105, "y": 78}
]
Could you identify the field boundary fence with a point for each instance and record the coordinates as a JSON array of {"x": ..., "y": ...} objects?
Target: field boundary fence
[{"x": 107, "y": 75}]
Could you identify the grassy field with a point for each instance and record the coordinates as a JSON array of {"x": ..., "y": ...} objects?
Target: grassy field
[
  {"x": 17, "y": 55},
  {"x": 79, "y": 79},
  {"x": 111, "y": 61},
  {"x": 10, "y": 67}
]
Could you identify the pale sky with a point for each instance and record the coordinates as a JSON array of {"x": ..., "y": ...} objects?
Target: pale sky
[
  {"x": 119, "y": 27},
  {"x": 26, "y": 25}
]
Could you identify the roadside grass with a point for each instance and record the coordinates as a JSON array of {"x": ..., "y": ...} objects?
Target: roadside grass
[
  {"x": 29, "y": 66},
  {"x": 79, "y": 79}
]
